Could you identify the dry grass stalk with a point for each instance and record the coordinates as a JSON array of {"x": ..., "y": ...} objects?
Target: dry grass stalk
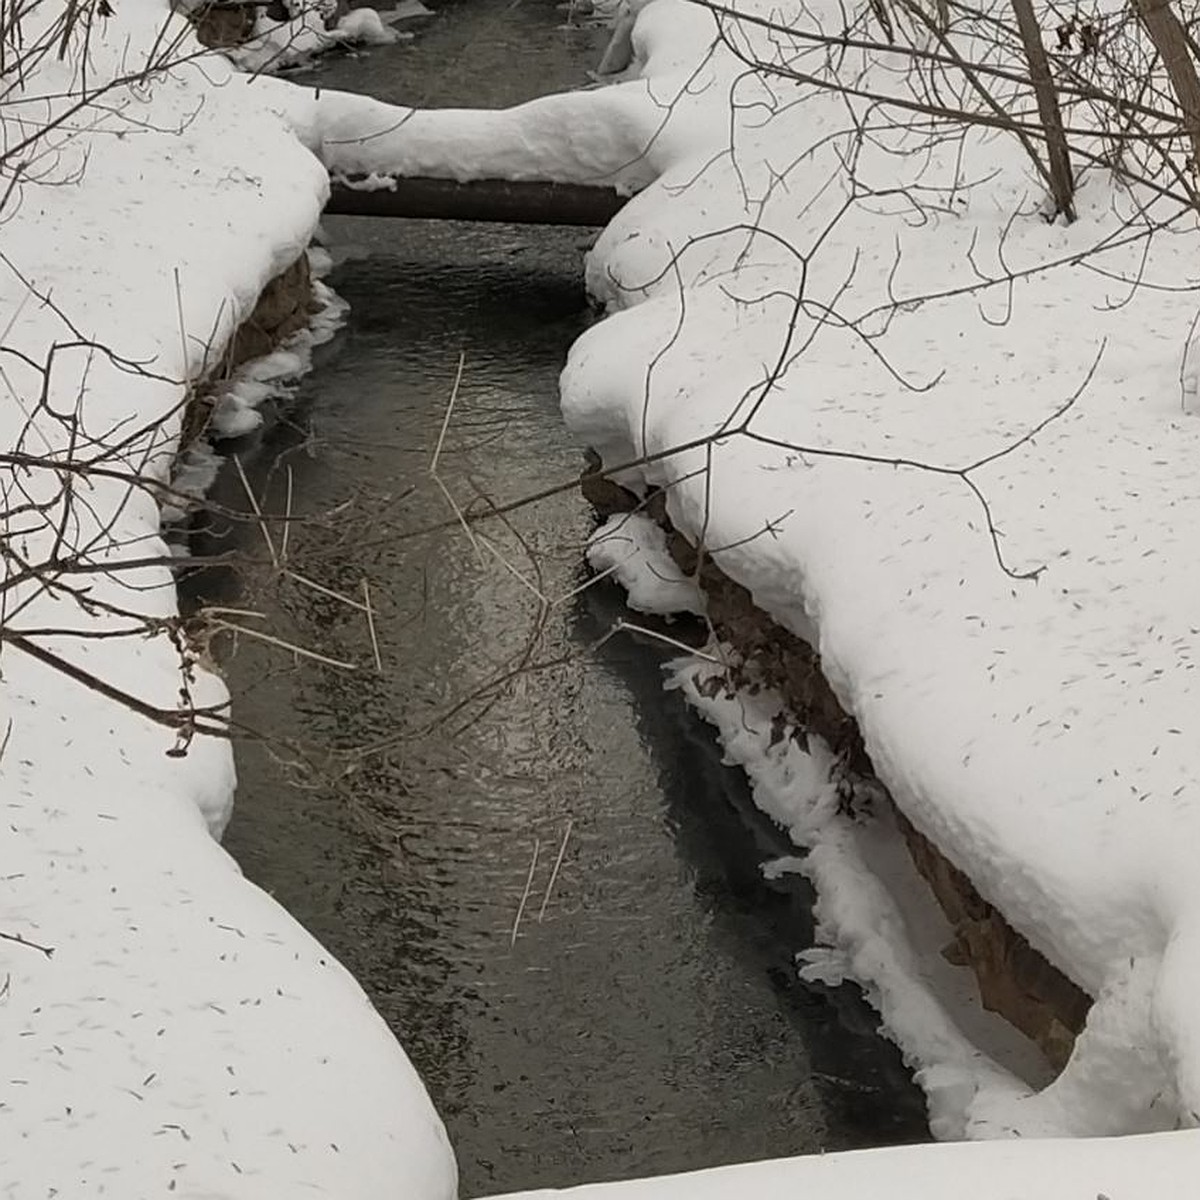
[
  {"x": 516, "y": 925},
  {"x": 562, "y": 850}
]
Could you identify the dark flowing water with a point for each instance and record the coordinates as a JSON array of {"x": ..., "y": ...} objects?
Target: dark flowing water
[{"x": 643, "y": 1014}]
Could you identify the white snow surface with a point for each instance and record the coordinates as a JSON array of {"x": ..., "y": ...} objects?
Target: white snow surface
[
  {"x": 619, "y": 137},
  {"x": 186, "y": 1037},
  {"x": 366, "y": 27},
  {"x": 1136, "y": 1168},
  {"x": 632, "y": 548},
  {"x": 1042, "y": 733}
]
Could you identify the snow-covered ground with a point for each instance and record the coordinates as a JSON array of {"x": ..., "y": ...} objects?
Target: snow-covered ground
[
  {"x": 845, "y": 310},
  {"x": 852, "y": 325},
  {"x": 178, "y": 1034},
  {"x": 944, "y": 438}
]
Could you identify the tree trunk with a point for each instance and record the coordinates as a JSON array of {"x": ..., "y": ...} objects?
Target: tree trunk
[
  {"x": 1171, "y": 41},
  {"x": 1062, "y": 182}
]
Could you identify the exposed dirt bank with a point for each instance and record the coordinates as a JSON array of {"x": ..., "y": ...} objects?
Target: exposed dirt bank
[{"x": 285, "y": 306}]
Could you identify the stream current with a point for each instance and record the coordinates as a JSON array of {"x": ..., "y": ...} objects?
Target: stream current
[{"x": 643, "y": 1015}]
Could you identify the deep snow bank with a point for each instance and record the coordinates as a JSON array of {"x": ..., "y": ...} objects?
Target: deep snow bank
[
  {"x": 185, "y": 1036},
  {"x": 834, "y": 336},
  {"x": 846, "y": 308}
]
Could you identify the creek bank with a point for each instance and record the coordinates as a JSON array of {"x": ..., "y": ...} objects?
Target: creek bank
[
  {"x": 1015, "y": 980},
  {"x": 651, "y": 1022},
  {"x": 287, "y": 304}
]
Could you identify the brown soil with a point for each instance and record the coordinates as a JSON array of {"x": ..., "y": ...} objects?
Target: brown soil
[
  {"x": 220, "y": 26},
  {"x": 1014, "y": 979},
  {"x": 223, "y": 25},
  {"x": 284, "y": 307}
]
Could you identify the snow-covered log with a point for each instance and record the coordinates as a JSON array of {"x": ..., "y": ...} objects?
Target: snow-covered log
[{"x": 525, "y": 203}]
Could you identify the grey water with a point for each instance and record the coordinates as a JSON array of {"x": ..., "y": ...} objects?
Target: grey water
[{"x": 530, "y": 854}]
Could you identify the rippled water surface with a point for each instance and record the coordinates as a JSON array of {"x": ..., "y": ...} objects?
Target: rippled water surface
[{"x": 645, "y": 1016}]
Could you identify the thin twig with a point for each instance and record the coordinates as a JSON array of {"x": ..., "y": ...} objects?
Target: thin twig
[
  {"x": 291, "y": 647},
  {"x": 287, "y": 524},
  {"x": 325, "y": 591},
  {"x": 262, "y": 525},
  {"x": 623, "y": 626},
  {"x": 437, "y": 450},
  {"x": 48, "y": 951}
]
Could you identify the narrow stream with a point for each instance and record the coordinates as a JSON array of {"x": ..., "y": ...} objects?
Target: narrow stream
[{"x": 642, "y": 1015}]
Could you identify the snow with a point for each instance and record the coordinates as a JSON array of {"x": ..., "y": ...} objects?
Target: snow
[
  {"x": 945, "y": 439},
  {"x": 616, "y": 137},
  {"x": 633, "y": 549},
  {"x": 185, "y": 1036},
  {"x": 274, "y": 376},
  {"x": 1110, "y": 1169},
  {"x": 295, "y": 42},
  {"x": 1042, "y": 734},
  {"x": 366, "y": 27},
  {"x": 595, "y": 139},
  {"x": 876, "y": 920},
  {"x": 237, "y": 400},
  {"x": 277, "y": 45},
  {"x": 830, "y": 351}
]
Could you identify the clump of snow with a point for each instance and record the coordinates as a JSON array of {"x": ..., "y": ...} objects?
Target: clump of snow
[
  {"x": 305, "y": 35},
  {"x": 364, "y": 27},
  {"x": 180, "y": 1035},
  {"x": 276, "y": 45},
  {"x": 237, "y": 400},
  {"x": 195, "y": 471},
  {"x": 873, "y": 911},
  {"x": 275, "y": 376},
  {"x": 633, "y": 549},
  {"x": 613, "y": 137}
]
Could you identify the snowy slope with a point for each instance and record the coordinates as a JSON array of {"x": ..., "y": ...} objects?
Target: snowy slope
[
  {"x": 864, "y": 318},
  {"x": 185, "y": 1037},
  {"x": 896, "y": 292},
  {"x": 1102, "y": 1169},
  {"x": 949, "y": 440}
]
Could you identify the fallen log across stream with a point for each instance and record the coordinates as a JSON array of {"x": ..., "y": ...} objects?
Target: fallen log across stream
[{"x": 528, "y": 202}]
